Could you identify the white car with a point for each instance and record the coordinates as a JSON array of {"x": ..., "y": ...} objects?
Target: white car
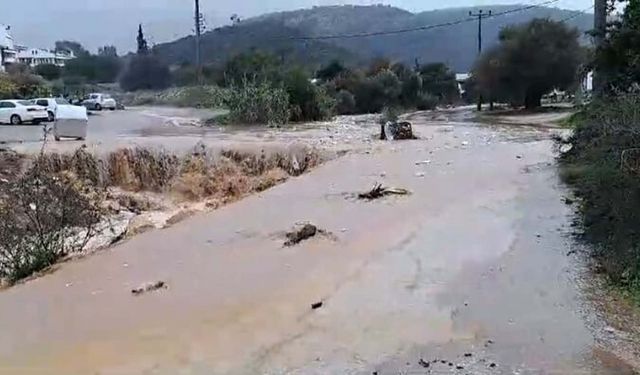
[
  {"x": 99, "y": 102},
  {"x": 15, "y": 112},
  {"x": 51, "y": 104}
]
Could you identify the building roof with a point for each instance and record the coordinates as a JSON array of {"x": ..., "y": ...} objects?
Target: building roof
[{"x": 40, "y": 53}]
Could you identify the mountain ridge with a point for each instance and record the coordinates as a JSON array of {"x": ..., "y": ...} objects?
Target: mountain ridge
[{"x": 294, "y": 34}]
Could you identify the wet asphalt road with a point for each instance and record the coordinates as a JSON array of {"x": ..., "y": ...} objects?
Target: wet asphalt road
[
  {"x": 109, "y": 126},
  {"x": 469, "y": 274}
]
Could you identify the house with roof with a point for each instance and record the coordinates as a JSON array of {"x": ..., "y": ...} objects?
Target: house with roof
[
  {"x": 11, "y": 53},
  {"x": 39, "y": 56}
]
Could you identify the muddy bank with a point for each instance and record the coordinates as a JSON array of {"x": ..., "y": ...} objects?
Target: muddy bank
[{"x": 134, "y": 190}]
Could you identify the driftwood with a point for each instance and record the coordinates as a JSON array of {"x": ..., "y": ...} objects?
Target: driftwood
[
  {"x": 296, "y": 236},
  {"x": 379, "y": 191}
]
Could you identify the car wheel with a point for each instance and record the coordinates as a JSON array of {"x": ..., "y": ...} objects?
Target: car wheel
[
  {"x": 112, "y": 108},
  {"x": 52, "y": 117},
  {"x": 15, "y": 120},
  {"x": 56, "y": 138},
  {"x": 98, "y": 107},
  {"x": 80, "y": 138}
]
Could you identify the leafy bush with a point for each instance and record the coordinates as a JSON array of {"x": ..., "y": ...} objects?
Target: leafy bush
[
  {"x": 603, "y": 167},
  {"x": 8, "y": 89},
  {"x": 426, "y": 101},
  {"x": 258, "y": 103},
  {"x": 345, "y": 103},
  {"x": 43, "y": 217},
  {"x": 48, "y": 71},
  {"x": 307, "y": 102}
]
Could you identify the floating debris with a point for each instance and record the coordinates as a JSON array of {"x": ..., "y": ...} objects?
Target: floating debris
[
  {"x": 299, "y": 235},
  {"x": 379, "y": 191},
  {"x": 148, "y": 287}
]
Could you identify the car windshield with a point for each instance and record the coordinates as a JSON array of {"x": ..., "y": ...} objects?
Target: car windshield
[
  {"x": 24, "y": 102},
  {"x": 61, "y": 101},
  {"x": 94, "y": 96}
]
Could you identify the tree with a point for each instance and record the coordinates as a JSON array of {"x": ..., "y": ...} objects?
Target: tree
[
  {"x": 26, "y": 83},
  {"x": 7, "y": 88},
  {"x": 93, "y": 68},
  {"x": 530, "y": 60},
  {"x": 143, "y": 47},
  {"x": 49, "y": 72},
  {"x": 108, "y": 51},
  {"x": 71, "y": 46},
  {"x": 440, "y": 81},
  {"x": 618, "y": 61},
  {"x": 145, "y": 72},
  {"x": 330, "y": 71},
  {"x": 254, "y": 66}
]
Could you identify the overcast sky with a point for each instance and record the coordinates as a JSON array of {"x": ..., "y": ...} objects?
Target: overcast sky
[{"x": 39, "y": 23}]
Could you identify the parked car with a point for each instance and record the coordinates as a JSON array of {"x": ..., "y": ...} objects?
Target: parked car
[
  {"x": 15, "y": 112},
  {"x": 98, "y": 102},
  {"x": 51, "y": 104}
]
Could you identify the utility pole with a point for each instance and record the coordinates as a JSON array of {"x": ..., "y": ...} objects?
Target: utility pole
[
  {"x": 198, "y": 23},
  {"x": 600, "y": 28},
  {"x": 480, "y": 15}
]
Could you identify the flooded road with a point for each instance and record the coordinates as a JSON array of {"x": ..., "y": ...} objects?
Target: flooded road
[{"x": 468, "y": 274}]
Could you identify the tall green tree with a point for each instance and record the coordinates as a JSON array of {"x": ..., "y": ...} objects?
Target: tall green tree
[
  {"x": 143, "y": 47},
  {"x": 531, "y": 60}
]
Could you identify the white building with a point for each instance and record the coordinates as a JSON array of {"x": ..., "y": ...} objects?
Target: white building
[
  {"x": 8, "y": 54},
  {"x": 38, "y": 56}
]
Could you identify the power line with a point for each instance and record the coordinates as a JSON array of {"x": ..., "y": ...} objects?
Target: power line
[
  {"x": 577, "y": 14},
  {"x": 419, "y": 28}
]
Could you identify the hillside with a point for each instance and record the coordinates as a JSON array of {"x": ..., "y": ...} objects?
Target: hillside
[{"x": 277, "y": 32}]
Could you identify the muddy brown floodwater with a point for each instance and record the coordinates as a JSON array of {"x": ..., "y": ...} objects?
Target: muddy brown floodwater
[{"x": 468, "y": 274}]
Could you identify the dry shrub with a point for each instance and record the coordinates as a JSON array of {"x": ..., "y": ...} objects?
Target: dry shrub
[
  {"x": 43, "y": 216},
  {"x": 141, "y": 169},
  {"x": 254, "y": 165},
  {"x": 11, "y": 164},
  {"x": 201, "y": 177},
  {"x": 270, "y": 179},
  {"x": 84, "y": 165}
]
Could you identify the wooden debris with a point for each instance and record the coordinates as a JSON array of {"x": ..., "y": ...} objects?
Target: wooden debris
[
  {"x": 148, "y": 287},
  {"x": 379, "y": 191},
  {"x": 305, "y": 232}
]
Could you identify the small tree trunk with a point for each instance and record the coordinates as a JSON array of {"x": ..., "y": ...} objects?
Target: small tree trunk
[{"x": 532, "y": 100}]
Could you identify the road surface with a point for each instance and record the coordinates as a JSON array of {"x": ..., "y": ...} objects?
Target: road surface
[
  {"x": 468, "y": 274},
  {"x": 111, "y": 127}
]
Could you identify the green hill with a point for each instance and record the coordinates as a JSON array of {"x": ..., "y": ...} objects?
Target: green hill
[{"x": 280, "y": 34}]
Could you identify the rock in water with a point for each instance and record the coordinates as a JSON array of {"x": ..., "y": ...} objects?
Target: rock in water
[{"x": 397, "y": 130}]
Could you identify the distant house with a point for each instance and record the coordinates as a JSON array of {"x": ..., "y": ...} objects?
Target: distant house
[
  {"x": 38, "y": 56},
  {"x": 11, "y": 53},
  {"x": 7, "y": 48}
]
